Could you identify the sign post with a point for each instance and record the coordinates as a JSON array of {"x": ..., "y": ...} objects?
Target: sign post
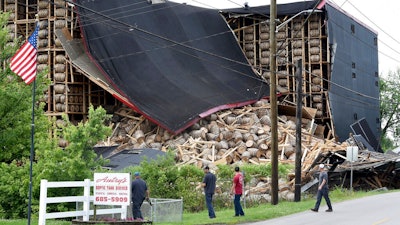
[{"x": 352, "y": 156}]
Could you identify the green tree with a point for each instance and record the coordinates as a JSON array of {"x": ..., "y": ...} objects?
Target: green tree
[
  {"x": 16, "y": 104},
  {"x": 390, "y": 109},
  {"x": 76, "y": 162}
]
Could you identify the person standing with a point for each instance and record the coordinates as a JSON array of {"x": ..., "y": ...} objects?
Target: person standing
[
  {"x": 208, "y": 184},
  {"x": 140, "y": 192},
  {"x": 237, "y": 190},
  {"x": 323, "y": 189}
]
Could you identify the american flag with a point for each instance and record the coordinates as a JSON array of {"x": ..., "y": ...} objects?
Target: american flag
[{"x": 23, "y": 63}]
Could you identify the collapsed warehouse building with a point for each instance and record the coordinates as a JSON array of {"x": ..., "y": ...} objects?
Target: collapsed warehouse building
[{"x": 167, "y": 70}]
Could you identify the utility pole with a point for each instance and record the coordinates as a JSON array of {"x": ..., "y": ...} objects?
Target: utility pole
[
  {"x": 297, "y": 179},
  {"x": 274, "y": 107}
]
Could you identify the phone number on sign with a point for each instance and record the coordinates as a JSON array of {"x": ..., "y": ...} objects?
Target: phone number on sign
[{"x": 112, "y": 199}]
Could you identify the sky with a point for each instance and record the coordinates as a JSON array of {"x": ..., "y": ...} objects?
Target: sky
[{"x": 381, "y": 17}]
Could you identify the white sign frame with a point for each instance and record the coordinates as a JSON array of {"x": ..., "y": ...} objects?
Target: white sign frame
[{"x": 112, "y": 189}]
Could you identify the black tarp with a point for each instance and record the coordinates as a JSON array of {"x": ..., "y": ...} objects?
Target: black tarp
[{"x": 175, "y": 63}]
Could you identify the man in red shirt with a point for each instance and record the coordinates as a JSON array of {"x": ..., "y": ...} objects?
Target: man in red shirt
[{"x": 237, "y": 190}]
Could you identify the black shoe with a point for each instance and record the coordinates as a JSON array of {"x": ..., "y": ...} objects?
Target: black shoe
[
  {"x": 314, "y": 210},
  {"x": 213, "y": 217},
  {"x": 329, "y": 210},
  {"x": 236, "y": 216}
]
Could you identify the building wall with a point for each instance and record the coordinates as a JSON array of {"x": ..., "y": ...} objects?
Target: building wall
[
  {"x": 354, "y": 92},
  {"x": 70, "y": 92}
]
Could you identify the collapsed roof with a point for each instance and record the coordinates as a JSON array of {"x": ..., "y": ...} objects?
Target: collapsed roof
[{"x": 168, "y": 61}]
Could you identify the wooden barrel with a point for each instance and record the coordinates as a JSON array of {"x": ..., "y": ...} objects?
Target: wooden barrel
[
  {"x": 59, "y": 77},
  {"x": 264, "y": 45},
  {"x": 60, "y": 12},
  {"x": 11, "y": 27},
  {"x": 281, "y": 44},
  {"x": 59, "y": 68},
  {"x": 297, "y": 57},
  {"x": 43, "y": 4},
  {"x": 314, "y": 50},
  {"x": 11, "y": 17},
  {"x": 314, "y": 58},
  {"x": 319, "y": 113},
  {"x": 281, "y": 35},
  {"x": 10, "y": 8},
  {"x": 314, "y": 42},
  {"x": 282, "y": 52},
  {"x": 248, "y": 47},
  {"x": 43, "y": 43},
  {"x": 59, "y": 98},
  {"x": 57, "y": 42},
  {"x": 264, "y": 36},
  {"x": 59, "y": 88},
  {"x": 249, "y": 30},
  {"x": 298, "y": 51},
  {"x": 265, "y": 54},
  {"x": 316, "y": 80},
  {"x": 59, "y": 3},
  {"x": 59, "y": 23},
  {"x": 60, "y": 58},
  {"x": 297, "y": 34},
  {"x": 265, "y": 60},
  {"x": 297, "y": 44},
  {"x": 317, "y": 98},
  {"x": 42, "y": 24},
  {"x": 71, "y": 99},
  {"x": 314, "y": 25},
  {"x": 250, "y": 54},
  {"x": 297, "y": 26},
  {"x": 264, "y": 28},
  {"x": 282, "y": 82},
  {"x": 43, "y": 13},
  {"x": 60, "y": 107},
  {"x": 314, "y": 33},
  {"x": 315, "y": 88},
  {"x": 248, "y": 37},
  {"x": 62, "y": 143},
  {"x": 317, "y": 72},
  {"x": 41, "y": 67},
  {"x": 43, "y": 59},
  {"x": 317, "y": 106}
]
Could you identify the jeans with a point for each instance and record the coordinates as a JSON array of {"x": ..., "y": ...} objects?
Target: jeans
[
  {"x": 238, "y": 206},
  {"x": 323, "y": 192},
  {"x": 210, "y": 207}
]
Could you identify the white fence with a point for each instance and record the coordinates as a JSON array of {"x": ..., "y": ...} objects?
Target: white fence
[{"x": 86, "y": 199}]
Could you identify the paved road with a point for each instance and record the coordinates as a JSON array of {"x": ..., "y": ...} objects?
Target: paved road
[{"x": 382, "y": 209}]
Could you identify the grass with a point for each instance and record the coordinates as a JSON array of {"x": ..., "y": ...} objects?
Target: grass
[{"x": 225, "y": 216}]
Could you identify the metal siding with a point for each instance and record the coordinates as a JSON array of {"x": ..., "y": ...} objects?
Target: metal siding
[{"x": 358, "y": 48}]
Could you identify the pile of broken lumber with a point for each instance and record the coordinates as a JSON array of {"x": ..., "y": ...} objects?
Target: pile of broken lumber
[{"x": 226, "y": 137}]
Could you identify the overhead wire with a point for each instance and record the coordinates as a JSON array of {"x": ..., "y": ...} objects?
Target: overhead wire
[
  {"x": 193, "y": 49},
  {"x": 189, "y": 47}
]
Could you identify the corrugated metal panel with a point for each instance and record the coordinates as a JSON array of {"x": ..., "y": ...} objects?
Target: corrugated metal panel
[{"x": 354, "y": 90}]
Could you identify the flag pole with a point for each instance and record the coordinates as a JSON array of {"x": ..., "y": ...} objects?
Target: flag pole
[{"x": 32, "y": 155}]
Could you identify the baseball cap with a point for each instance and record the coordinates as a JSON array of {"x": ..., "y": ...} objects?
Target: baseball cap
[
  {"x": 321, "y": 166},
  {"x": 137, "y": 174}
]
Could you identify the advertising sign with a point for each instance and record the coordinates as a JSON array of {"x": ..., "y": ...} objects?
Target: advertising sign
[{"x": 112, "y": 188}]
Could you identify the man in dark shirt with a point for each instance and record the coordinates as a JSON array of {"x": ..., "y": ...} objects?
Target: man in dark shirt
[
  {"x": 139, "y": 194},
  {"x": 323, "y": 189},
  {"x": 209, "y": 189}
]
